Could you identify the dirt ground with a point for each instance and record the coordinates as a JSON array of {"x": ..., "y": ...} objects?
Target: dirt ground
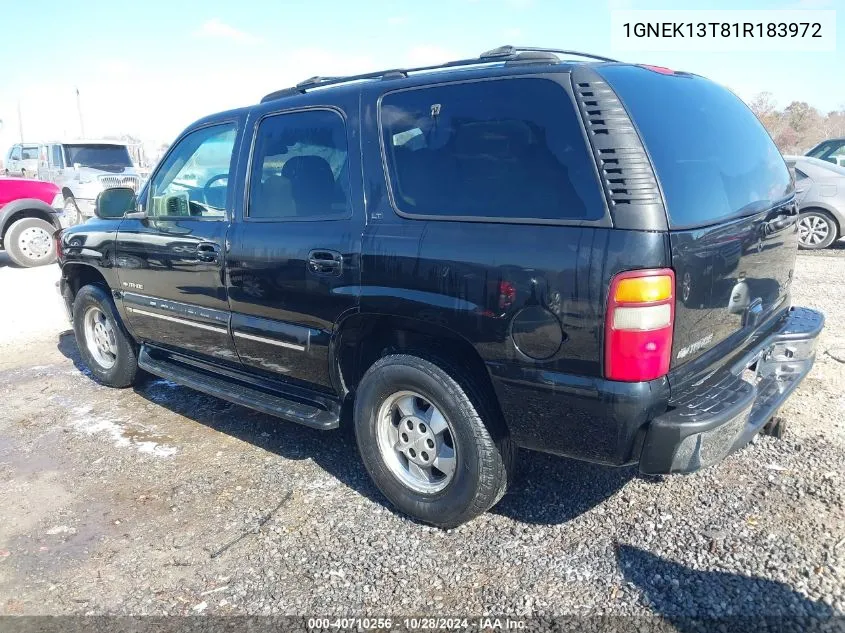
[{"x": 160, "y": 500}]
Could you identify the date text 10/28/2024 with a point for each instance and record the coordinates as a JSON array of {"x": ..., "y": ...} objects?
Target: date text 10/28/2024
[{"x": 415, "y": 624}]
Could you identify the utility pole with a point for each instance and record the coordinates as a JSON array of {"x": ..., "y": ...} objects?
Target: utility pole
[
  {"x": 79, "y": 110},
  {"x": 20, "y": 121}
]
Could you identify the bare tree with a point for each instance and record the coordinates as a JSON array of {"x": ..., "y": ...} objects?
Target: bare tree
[{"x": 799, "y": 125}]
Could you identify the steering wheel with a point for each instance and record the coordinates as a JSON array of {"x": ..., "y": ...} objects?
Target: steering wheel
[{"x": 207, "y": 186}]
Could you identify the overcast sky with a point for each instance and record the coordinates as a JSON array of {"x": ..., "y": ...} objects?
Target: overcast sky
[{"x": 150, "y": 68}]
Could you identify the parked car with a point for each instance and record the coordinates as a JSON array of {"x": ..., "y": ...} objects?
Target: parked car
[
  {"x": 831, "y": 150},
  {"x": 31, "y": 211},
  {"x": 82, "y": 169},
  {"x": 467, "y": 258},
  {"x": 22, "y": 160},
  {"x": 820, "y": 187}
]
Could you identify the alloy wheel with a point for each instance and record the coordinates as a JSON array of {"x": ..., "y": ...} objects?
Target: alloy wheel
[
  {"x": 100, "y": 338},
  {"x": 813, "y": 230},
  {"x": 416, "y": 442}
]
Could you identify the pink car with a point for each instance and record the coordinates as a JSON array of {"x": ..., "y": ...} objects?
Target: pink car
[{"x": 30, "y": 212}]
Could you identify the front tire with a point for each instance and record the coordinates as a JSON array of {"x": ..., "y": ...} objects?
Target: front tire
[
  {"x": 422, "y": 436},
  {"x": 816, "y": 230},
  {"x": 29, "y": 242},
  {"x": 103, "y": 342},
  {"x": 72, "y": 212}
]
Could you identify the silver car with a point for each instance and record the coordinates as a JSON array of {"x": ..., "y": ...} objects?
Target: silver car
[
  {"x": 82, "y": 169},
  {"x": 832, "y": 150},
  {"x": 22, "y": 160},
  {"x": 820, "y": 189}
]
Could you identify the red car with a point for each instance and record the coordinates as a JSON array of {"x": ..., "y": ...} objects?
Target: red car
[{"x": 30, "y": 212}]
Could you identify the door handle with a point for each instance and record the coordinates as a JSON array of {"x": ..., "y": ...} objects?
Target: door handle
[
  {"x": 325, "y": 262},
  {"x": 208, "y": 251}
]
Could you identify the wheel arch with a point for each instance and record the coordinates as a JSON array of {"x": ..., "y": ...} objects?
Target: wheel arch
[
  {"x": 361, "y": 339},
  {"x": 25, "y": 208},
  {"x": 77, "y": 275}
]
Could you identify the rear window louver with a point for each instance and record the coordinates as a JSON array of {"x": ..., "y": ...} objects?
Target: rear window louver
[{"x": 624, "y": 167}]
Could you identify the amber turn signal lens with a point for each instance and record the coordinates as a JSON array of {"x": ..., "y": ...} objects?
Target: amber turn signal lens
[{"x": 644, "y": 289}]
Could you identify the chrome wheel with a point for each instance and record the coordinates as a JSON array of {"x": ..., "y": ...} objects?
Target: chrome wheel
[
  {"x": 100, "y": 338},
  {"x": 35, "y": 243},
  {"x": 416, "y": 442},
  {"x": 813, "y": 230}
]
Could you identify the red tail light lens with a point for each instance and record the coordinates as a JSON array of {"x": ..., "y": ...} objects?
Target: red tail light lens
[{"x": 639, "y": 324}]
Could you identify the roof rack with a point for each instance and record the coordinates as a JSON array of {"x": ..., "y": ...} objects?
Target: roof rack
[{"x": 496, "y": 55}]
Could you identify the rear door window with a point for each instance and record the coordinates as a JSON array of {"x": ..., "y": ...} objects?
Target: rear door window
[
  {"x": 713, "y": 158},
  {"x": 300, "y": 168},
  {"x": 497, "y": 149}
]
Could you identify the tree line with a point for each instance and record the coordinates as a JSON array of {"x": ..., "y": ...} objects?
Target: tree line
[{"x": 799, "y": 126}]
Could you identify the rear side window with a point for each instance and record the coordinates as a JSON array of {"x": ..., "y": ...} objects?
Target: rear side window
[
  {"x": 299, "y": 168},
  {"x": 499, "y": 149},
  {"x": 713, "y": 158}
]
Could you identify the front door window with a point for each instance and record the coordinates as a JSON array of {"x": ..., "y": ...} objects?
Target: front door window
[{"x": 193, "y": 181}]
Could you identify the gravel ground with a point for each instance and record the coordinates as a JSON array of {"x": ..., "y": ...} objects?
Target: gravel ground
[{"x": 159, "y": 500}]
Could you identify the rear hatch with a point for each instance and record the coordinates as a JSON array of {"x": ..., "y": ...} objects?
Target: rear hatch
[{"x": 730, "y": 206}]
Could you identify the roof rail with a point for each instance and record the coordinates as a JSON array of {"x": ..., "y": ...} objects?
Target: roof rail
[
  {"x": 496, "y": 55},
  {"x": 504, "y": 52}
]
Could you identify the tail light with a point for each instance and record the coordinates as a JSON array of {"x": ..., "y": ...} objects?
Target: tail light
[
  {"x": 638, "y": 329},
  {"x": 507, "y": 294}
]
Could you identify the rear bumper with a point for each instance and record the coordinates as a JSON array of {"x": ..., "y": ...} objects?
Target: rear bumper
[{"x": 707, "y": 422}]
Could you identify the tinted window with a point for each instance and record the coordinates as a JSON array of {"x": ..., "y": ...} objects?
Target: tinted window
[
  {"x": 194, "y": 178},
  {"x": 56, "y": 155},
  {"x": 30, "y": 152},
  {"x": 713, "y": 157},
  {"x": 509, "y": 148},
  {"x": 98, "y": 156},
  {"x": 299, "y": 167}
]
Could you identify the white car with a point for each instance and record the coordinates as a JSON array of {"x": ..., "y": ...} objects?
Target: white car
[
  {"x": 22, "y": 160},
  {"x": 83, "y": 168}
]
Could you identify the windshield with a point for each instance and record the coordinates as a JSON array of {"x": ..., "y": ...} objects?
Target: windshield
[
  {"x": 97, "y": 155},
  {"x": 30, "y": 153},
  {"x": 713, "y": 158}
]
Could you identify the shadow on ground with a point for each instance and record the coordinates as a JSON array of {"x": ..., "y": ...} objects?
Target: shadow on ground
[
  {"x": 694, "y": 601},
  {"x": 547, "y": 489}
]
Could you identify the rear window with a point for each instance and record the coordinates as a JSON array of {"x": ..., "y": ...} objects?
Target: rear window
[
  {"x": 498, "y": 149},
  {"x": 713, "y": 158}
]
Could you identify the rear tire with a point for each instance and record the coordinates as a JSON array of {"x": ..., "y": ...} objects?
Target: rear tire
[
  {"x": 104, "y": 344},
  {"x": 439, "y": 462},
  {"x": 816, "y": 229},
  {"x": 29, "y": 242}
]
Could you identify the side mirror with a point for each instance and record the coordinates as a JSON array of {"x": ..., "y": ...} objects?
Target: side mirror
[{"x": 114, "y": 203}]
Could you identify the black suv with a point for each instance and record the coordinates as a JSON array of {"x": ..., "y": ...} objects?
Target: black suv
[{"x": 589, "y": 258}]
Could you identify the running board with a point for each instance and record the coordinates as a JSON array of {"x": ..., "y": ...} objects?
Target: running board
[{"x": 238, "y": 389}]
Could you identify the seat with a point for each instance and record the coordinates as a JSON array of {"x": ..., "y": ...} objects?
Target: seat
[
  {"x": 312, "y": 184},
  {"x": 274, "y": 199}
]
